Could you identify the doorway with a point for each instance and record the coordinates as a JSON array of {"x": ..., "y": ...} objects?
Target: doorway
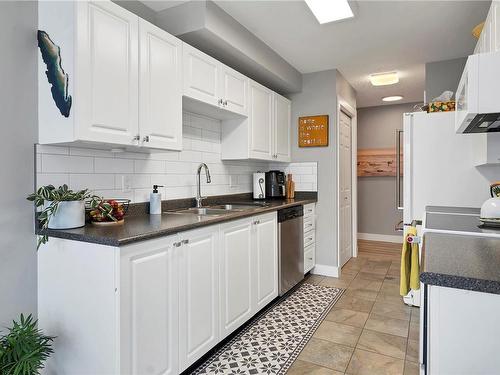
[{"x": 345, "y": 189}]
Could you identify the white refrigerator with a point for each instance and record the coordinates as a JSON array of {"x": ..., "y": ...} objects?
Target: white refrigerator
[{"x": 438, "y": 168}]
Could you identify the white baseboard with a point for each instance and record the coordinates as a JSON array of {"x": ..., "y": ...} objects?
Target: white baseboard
[
  {"x": 324, "y": 270},
  {"x": 380, "y": 237}
]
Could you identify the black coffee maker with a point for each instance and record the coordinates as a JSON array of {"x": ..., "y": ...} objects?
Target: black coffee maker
[{"x": 275, "y": 184}]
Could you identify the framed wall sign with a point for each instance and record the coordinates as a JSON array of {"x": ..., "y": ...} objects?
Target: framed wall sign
[{"x": 313, "y": 131}]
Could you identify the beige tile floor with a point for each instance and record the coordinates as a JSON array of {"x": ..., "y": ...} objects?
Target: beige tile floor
[{"x": 369, "y": 330}]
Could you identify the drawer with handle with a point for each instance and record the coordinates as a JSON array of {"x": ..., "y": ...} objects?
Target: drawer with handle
[
  {"x": 309, "y": 209},
  {"x": 309, "y": 238},
  {"x": 309, "y": 261},
  {"x": 309, "y": 223}
]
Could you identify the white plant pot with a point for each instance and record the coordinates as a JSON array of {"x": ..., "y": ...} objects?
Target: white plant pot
[
  {"x": 69, "y": 214},
  {"x": 491, "y": 209}
]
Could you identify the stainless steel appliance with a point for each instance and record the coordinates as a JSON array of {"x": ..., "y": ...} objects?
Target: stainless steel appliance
[
  {"x": 291, "y": 247},
  {"x": 275, "y": 184},
  {"x": 259, "y": 185}
]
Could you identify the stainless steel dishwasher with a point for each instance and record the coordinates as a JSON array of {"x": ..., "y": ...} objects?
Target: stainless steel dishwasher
[{"x": 291, "y": 247}]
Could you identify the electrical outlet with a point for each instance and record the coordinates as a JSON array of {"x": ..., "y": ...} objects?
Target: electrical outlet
[{"x": 126, "y": 184}]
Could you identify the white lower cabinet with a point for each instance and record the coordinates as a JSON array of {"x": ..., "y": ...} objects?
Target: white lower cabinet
[
  {"x": 249, "y": 269},
  {"x": 198, "y": 294},
  {"x": 459, "y": 332},
  {"x": 309, "y": 237},
  {"x": 149, "y": 308},
  {"x": 155, "y": 306},
  {"x": 266, "y": 254},
  {"x": 236, "y": 272}
]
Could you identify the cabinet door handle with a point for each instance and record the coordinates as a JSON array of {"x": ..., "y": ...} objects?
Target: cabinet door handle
[
  {"x": 176, "y": 244},
  {"x": 185, "y": 242},
  {"x": 221, "y": 102},
  {"x": 136, "y": 138},
  {"x": 146, "y": 138},
  {"x": 309, "y": 225},
  {"x": 309, "y": 238},
  {"x": 225, "y": 102}
]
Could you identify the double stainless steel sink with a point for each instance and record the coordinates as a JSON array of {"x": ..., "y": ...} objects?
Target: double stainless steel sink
[{"x": 221, "y": 209}]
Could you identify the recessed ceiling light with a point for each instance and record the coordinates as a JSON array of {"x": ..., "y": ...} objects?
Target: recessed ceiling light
[
  {"x": 330, "y": 10},
  {"x": 383, "y": 79},
  {"x": 393, "y": 98}
]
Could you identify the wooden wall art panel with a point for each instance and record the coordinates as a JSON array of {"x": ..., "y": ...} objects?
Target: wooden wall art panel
[{"x": 378, "y": 162}]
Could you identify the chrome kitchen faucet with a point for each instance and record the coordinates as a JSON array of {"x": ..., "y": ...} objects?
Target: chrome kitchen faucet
[{"x": 199, "y": 198}]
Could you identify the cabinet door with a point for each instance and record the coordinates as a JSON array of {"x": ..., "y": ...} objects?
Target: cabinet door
[
  {"x": 495, "y": 20},
  {"x": 282, "y": 118},
  {"x": 261, "y": 122},
  {"x": 160, "y": 85},
  {"x": 106, "y": 87},
  {"x": 149, "y": 308},
  {"x": 266, "y": 249},
  {"x": 234, "y": 88},
  {"x": 236, "y": 273},
  {"x": 199, "y": 297},
  {"x": 201, "y": 76}
]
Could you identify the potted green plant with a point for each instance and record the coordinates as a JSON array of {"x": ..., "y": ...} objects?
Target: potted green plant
[
  {"x": 60, "y": 208},
  {"x": 24, "y": 349}
]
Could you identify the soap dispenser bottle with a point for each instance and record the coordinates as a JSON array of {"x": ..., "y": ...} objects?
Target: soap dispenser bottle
[{"x": 155, "y": 201}]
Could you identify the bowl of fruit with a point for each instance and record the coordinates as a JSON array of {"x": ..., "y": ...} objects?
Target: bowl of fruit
[{"x": 107, "y": 211}]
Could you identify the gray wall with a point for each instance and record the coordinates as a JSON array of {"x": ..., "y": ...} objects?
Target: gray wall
[
  {"x": 319, "y": 97},
  {"x": 442, "y": 75},
  {"x": 18, "y": 105},
  {"x": 376, "y": 203}
]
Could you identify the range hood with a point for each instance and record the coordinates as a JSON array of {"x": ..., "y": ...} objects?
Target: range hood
[{"x": 478, "y": 99}]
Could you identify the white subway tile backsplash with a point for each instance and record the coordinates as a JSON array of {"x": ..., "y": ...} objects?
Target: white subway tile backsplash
[
  {"x": 91, "y": 181},
  {"x": 149, "y": 166},
  {"x": 103, "y": 171},
  {"x": 52, "y": 163},
  {"x": 56, "y": 179},
  {"x": 108, "y": 165}
]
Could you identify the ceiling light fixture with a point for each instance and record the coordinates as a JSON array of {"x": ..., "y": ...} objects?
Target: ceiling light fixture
[
  {"x": 393, "y": 98},
  {"x": 330, "y": 10},
  {"x": 384, "y": 79}
]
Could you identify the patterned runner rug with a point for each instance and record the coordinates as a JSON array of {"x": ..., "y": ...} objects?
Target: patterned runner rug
[{"x": 272, "y": 343}]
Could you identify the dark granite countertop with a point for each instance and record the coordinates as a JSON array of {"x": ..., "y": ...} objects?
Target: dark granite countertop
[
  {"x": 467, "y": 262},
  {"x": 139, "y": 226}
]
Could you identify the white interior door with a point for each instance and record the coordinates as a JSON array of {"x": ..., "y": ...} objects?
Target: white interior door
[
  {"x": 160, "y": 84},
  {"x": 107, "y": 90},
  {"x": 345, "y": 187}
]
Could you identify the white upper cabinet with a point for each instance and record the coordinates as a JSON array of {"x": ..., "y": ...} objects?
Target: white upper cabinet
[
  {"x": 261, "y": 122},
  {"x": 160, "y": 87},
  {"x": 234, "y": 90},
  {"x": 489, "y": 40},
  {"x": 282, "y": 119},
  {"x": 208, "y": 81},
  {"x": 149, "y": 308},
  {"x": 199, "y": 302},
  {"x": 108, "y": 56},
  {"x": 201, "y": 76},
  {"x": 107, "y": 88},
  {"x": 265, "y": 135}
]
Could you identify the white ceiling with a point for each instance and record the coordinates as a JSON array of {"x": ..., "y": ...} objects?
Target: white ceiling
[{"x": 383, "y": 36}]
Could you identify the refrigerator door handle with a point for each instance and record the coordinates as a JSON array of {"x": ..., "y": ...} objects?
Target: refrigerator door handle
[{"x": 399, "y": 204}]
